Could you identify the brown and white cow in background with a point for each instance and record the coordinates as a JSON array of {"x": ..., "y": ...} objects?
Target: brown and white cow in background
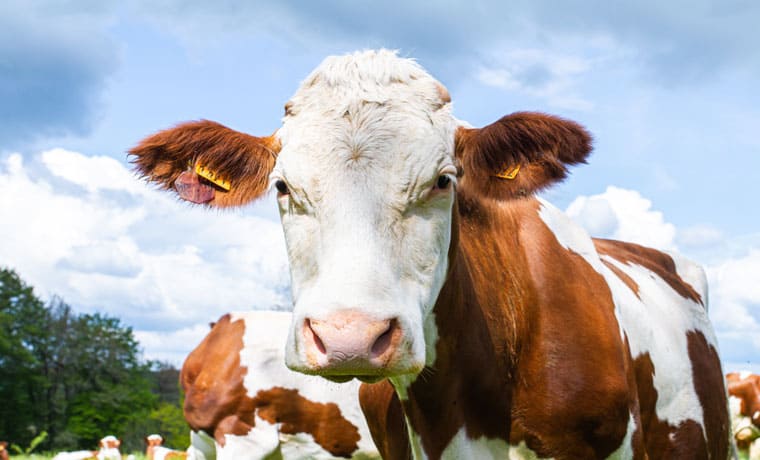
[
  {"x": 155, "y": 450},
  {"x": 244, "y": 404},
  {"x": 420, "y": 254},
  {"x": 744, "y": 400}
]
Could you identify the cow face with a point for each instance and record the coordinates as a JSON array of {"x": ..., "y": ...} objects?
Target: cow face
[
  {"x": 365, "y": 181},
  {"x": 366, "y": 167}
]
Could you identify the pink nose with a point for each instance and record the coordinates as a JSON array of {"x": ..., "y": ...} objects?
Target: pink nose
[{"x": 351, "y": 343}]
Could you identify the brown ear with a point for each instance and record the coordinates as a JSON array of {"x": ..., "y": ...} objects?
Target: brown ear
[
  {"x": 530, "y": 151},
  {"x": 243, "y": 161}
]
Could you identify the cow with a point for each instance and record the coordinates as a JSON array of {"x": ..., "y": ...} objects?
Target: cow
[
  {"x": 77, "y": 455},
  {"x": 744, "y": 400},
  {"x": 422, "y": 261},
  {"x": 243, "y": 403},
  {"x": 109, "y": 448},
  {"x": 3, "y": 450},
  {"x": 154, "y": 450}
]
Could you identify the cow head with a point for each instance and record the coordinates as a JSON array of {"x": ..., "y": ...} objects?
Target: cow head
[
  {"x": 366, "y": 168},
  {"x": 110, "y": 442},
  {"x": 154, "y": 440}
]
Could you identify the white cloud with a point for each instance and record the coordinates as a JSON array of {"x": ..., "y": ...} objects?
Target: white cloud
[
  {"x": 624, "y": 215},
  {"x": 156, "y": 262},
  {"x": 539, "y": 73},
  {"x": 93, "y": 173},
  {"x": 171, "y": 346},
  {"x": 699, "y": 236}
]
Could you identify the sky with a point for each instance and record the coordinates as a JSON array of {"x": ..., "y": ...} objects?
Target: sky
[{"x": 668, "y": 90}]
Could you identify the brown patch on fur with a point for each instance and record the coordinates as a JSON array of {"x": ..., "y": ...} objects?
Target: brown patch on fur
[
  {"x": 651, "y": 259},
  {"x": 217, "y": 402},
  {"x": 508, "y": 359},
  {"x": 385, "y": 418},
  {"x": 710, "y": 388},
  {"x": 212, "y": 380},
  {"x": 543, "y": 145},
  {"x": 663, "y": 440},
  {"x": 297, "y": 414},
  {"x": 244, "y": 160},
  {"x": 632, "y": 285}
]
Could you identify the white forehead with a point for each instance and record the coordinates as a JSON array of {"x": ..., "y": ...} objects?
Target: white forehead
[{"x": 370, "y": 105}]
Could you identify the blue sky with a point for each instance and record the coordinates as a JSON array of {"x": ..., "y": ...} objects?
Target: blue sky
[{"x": 669, "y": 90}]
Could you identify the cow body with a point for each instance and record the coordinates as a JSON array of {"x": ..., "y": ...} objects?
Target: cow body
[
  {"x": 578, "y": 361},
  {"x": 419, "y": 254},
  {"x": 238, "y": 391},
  {"x": 77, "y": 455}
]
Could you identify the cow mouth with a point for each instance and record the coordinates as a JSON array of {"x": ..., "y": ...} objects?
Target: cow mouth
[{"x": 361, "y": 378}]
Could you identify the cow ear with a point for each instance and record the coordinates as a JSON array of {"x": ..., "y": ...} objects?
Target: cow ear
[
  {"x": 520, "y": 154},
  {"x": 231, "y": 168}
]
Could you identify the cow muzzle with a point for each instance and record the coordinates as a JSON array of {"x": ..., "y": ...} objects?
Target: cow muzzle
[{"x": 349, "y": 344}]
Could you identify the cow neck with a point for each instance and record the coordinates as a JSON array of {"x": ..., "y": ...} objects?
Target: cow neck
[{"x": 480, "y": 319}]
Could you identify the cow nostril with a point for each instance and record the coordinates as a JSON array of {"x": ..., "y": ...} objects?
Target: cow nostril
[
  {"x": 383, "y": 341},
  {"x": 315, "y": 338}
]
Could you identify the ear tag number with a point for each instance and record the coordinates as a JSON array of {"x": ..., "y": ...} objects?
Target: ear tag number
[
  {"x": 212, "y": 177},
  {"x": 509, "y": 173}
]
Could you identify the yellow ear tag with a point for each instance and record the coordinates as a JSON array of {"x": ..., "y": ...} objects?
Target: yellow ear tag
[
  {"x": 510, "y": 173},
  {"x": 212, "y": 177}
]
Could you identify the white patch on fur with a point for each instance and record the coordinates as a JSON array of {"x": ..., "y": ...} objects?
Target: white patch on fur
[
  {"x": 263, "y": 355},
  {"x": 260, "y": 443},
  {"x": 692, "y": 273},
  {"x": 569, "y": 234},
  {"x": 366, "y": 141},
  {"x": 657, "y": 324}
]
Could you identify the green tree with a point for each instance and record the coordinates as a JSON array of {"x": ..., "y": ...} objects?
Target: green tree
[
  {"x": 23, "y": 318},
  {"x": 77, "y": 376}
]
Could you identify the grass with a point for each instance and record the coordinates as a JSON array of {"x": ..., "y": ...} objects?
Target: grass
[{"x": 49, "y": 456}]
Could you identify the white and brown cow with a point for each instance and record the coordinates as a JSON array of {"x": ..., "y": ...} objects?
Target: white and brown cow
[
  {"x": 244, "y": 404},
  {"x": 420, "y": 254}
]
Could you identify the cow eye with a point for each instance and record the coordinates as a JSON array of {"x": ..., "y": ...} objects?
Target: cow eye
[
  {"x": 281, "y": 187},
  {"x": 443, "y": 182}
]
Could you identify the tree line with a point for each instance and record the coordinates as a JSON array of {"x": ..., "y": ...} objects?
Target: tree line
[{"x": 78, "y": 377}]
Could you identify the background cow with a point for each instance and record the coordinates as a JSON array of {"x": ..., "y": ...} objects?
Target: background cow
[
  {"x": 744, "y": 400},
  {"x": 419, "y": 253},
  {"x": 154, "y": 449},
  {"x": 3, "y": 450},
  {"x": 109, "y": 448},
  {"x": 238, "y": 391}
]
